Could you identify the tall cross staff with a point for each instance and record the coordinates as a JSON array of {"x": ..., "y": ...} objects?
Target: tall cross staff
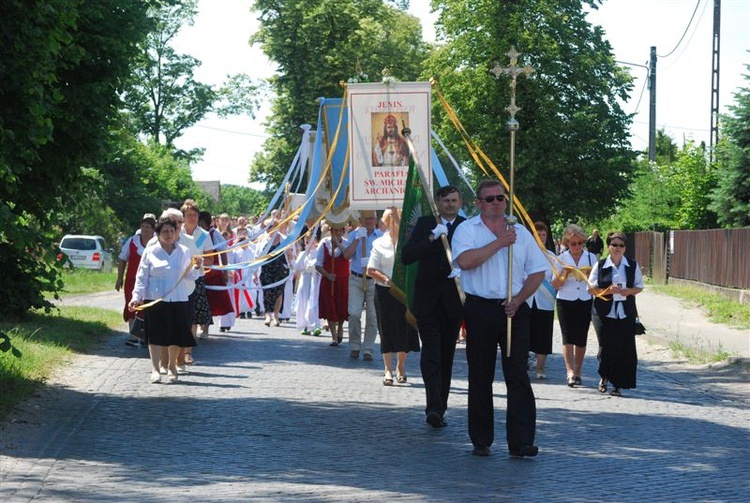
[{"x": 514, "y": 71}]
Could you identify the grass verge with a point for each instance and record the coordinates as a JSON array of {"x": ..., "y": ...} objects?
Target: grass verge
[
  {"x": 78, "y": 281},
  {"x": 46, "y": 341},
  {"x": 682, "y": 350},
  {"x": 718, "y": 308}
]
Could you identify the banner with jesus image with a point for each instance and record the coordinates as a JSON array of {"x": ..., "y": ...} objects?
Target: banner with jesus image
[{"x": 378, "y": 153}]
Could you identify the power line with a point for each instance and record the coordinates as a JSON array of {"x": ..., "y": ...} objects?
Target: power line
[
  {"x": 683, "y": 33},
  {"x": 230, "y": 131}
]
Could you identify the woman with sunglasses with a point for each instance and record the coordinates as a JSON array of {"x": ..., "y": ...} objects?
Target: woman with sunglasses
[
  {"x": 616, "y": 281},
  {"x": 574, "y": 301}
]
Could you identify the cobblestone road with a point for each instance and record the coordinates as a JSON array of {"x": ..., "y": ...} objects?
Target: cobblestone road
[{"x": 270, "y": 415}]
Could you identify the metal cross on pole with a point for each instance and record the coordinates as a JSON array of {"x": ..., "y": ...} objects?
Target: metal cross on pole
[{"x": 514, "y": 71}]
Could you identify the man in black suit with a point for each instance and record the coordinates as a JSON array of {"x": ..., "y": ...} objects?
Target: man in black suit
[{"x": 436, "y": 304}]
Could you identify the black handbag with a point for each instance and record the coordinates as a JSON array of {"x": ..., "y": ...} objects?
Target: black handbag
[
  {"x": 138, "y": 327},
  {"x": 639, "y": 328}
]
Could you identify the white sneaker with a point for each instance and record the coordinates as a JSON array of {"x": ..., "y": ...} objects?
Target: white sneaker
[
  {"x": 182, "y": 369},
  {"x": 163, "y": 370},
  {"x": 155, "y": 377},
  {"x": 171, "y": 378}
]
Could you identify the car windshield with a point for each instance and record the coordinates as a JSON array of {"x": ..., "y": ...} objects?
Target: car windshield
[{"x": 78, "y": 244}]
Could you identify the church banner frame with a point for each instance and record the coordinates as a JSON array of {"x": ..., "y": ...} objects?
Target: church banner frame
[{"x": 378, "y": 160}]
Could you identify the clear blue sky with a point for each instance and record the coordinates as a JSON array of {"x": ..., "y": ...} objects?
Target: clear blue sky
[{"x": 223, "y": 27}]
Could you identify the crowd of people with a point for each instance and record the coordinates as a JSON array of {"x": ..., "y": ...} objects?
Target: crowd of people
[{"x": 336, "y": 273}]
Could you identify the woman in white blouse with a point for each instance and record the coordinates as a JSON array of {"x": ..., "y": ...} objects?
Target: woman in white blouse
[
  {"x": 574, "y": 301},
  {"x": 617, "y": 280},
  {"x": 161, "y": 276},
  {"x": 396, "y": 335}
]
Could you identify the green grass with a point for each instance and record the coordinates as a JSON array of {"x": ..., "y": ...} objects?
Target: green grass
[
  {"x": 78, "y": 281},
  {"x": 718, "y": 308},
  {"x": 693, "y": 355},
  {"x": 46, "y": 341}
]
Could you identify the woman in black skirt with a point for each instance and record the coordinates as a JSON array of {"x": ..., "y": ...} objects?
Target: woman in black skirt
[
  {"x": 542, "y": 317},
  {"x": 396, "y": 335},
  {"x": 617, "y": 279},
  {"x": 160, "y": 278},
  {"x": 574, "y": 301}
]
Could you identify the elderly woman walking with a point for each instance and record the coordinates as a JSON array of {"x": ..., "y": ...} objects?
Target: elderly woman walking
[
  {"x": 574, "y": 301},
  {"x": 396, "y": 335},
  {"x": 161, "y": 277},
  {"x": 616, "y": 281}
]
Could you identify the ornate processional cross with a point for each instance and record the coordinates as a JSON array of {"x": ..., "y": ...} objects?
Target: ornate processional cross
[{"x": 514, "y": 71}]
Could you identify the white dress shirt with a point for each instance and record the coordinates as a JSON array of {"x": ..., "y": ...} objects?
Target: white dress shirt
[
  {"x": 575, "y": 287},
  {"x": 160, "y": 274},
  {"x": 490, "y": 279},
  {"x": 618, "y": 277}
]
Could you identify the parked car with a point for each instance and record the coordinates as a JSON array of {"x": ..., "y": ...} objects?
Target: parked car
[{"x": 87, "y": 252}]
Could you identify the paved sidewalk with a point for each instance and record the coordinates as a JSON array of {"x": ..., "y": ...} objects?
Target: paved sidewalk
[
  {"x": 667, "y": 319},
  {"x": 269, "y": 415}
]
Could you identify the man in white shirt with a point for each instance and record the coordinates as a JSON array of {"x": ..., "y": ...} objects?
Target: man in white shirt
[
  {"x": 480, "y": 246},
  {"x": 356, "y": 247}
]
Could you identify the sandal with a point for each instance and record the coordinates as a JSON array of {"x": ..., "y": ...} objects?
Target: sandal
[
  {"x": 333, "y": 344},
  {"x": 401, "y": 378},
  {"x": 388, "y": 379},
  {"x": 571, "y": 381},
  {"x": 615, "y": 392},
  {"x": 602, "y": 388},
  {"x": 189, "y": 358}
]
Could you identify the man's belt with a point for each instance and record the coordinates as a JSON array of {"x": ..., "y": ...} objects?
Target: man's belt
[
  {"x": 483, "y": 299},
  {"x": 359, "y": 275}
]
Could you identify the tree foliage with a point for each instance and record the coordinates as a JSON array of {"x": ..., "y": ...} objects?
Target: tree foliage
[
  {"x": 238, "y": 200},
  {"x": 318, "y": 44},
  {"x": 62, "y": 64},
  {"x": 573, "y": 158},
  {"x": 163, "y": 98},
  {"x": 668, "y": 194},
  {"x": 731, "y": 198}
]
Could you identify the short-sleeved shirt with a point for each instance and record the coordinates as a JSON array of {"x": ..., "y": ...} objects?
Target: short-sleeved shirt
[
  {"x": 490, "y": 279},
  {"x": 382, "y": 256},
  {"x": 198, "y": 244},
  {"x": 545, "y": 294},
  {"x": 575, "y": 287},
  {"x": 356, "y": 258},
  {"x": 618, "y": 277}
]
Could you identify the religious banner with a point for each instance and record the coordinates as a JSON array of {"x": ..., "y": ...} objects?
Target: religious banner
[{"x": 378, "y": 154}]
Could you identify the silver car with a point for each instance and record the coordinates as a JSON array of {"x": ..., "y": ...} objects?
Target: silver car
[{"x": 87, "y": 252}]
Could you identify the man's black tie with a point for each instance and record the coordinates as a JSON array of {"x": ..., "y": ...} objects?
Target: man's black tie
[{"x": 450, "y": 227}]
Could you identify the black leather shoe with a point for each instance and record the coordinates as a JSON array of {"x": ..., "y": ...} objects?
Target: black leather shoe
[
  {"x": 435, "y": 420},
  {"x": 521, "y": 451},
  {"x": 481, "y": 450}
]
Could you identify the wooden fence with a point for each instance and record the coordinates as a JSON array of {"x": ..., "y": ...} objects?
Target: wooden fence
[{"x": 716, "y": 257}]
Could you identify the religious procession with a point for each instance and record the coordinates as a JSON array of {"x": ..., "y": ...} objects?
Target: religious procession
[{"x": 372, "y": 242}]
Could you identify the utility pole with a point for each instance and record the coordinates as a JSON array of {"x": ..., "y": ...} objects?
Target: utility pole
[
  {"x": 715, "y": 81},
  {"x": 652, "y": 106}
]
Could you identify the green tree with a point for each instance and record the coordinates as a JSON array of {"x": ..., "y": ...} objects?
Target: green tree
[
  {"x": 652, "y": 204},
  {"x": 731, "y": 197},
  {"x": 668, "y": 195},
  {"x": 693, "y": 180},
  {"x": 316, "y": 45},
  {"x": 237, "y": 200},
  {"x": 62, "y": 64},
  {"x": 573, "y": 157},
  {"x": 163, "y": 98}
]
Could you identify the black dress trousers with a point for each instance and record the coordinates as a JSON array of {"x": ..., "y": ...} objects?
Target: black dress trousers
[{"x": 486, "y": 326}]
